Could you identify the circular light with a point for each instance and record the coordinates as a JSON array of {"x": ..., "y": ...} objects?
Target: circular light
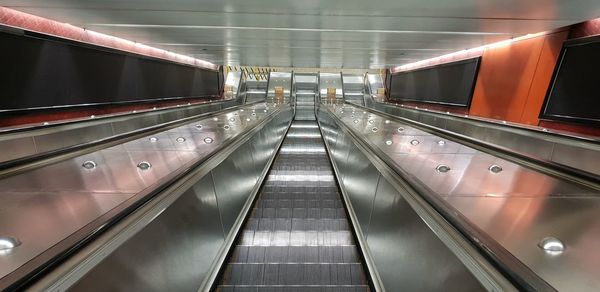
[
  {"x": 388, "y": 142},
  {"x": 226, "y": 127},
  {"x": 364, "y": 112},
  {"x": 144, "y": 165},
  {"x": 442, "y": 168},
  {"x": 242, "y": 110},
  {"x": 495, "y": 168},
  {"x": 414, "y": 142},
  {"x": 374, "y": 129},
  {"x": 208, "y": 140},
  {"x": 92, "y": 116},
  {"x": 215, "y": 119},
  {"x": 89, "y": 164},
  {"x": 247, "y": 119},
  {"x": 441, "y": 142},
  {"x": 45, "y": 123},
  {"x": 7, "y": 243},
  {"x": 180, "y": 139},
  {"x": 266, "y": 111},
  {"x": 153, "y": 139},
  {"x": 232, "y": 119},
  {"x": 400, "y": 129},
  {"x": 371, "y": 121},
  {"x": 134, "y": 112},
  {"x": 387, "y": 121},
  {"x": 154, "y": 108},
  {"x": 198, "y": 126},
  {"x": 356, "y": 121},
  {"x": 552, "y": 245}
]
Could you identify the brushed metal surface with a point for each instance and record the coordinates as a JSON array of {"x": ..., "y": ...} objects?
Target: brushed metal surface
[
  {"x": 42, "y": 219},
  {"x": 172, "y": 253},
  {"x": 405, "y": 249},
  {"x": 57, "y": 140},
  {"x": 519, "y": 223},
  {"x": 232, "y": 196},
  {"x": 70, "y": 133},
  {"x": 19, "y": 147},
  {"x": 398, "y": 241},
  {"x": 360, "y": 183},
  {"x": 565, "y": 150},
  {"x": 516, "y": 207},
  {"x": 116, "y": 174}
]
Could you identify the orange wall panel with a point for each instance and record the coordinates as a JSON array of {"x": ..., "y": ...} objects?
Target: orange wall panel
[
  {"x": 505, "y": 77},
  {"x": 542, "y": 78}
]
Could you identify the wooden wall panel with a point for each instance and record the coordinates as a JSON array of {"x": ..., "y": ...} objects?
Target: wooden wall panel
[
  {"x": 542, "y": 77},
  {"x": 504, "y": 80}
]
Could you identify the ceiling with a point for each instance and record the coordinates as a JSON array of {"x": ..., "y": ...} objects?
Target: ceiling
[{"x": 313, "y": 33}]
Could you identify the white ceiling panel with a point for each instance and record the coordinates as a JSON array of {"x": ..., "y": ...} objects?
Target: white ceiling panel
[{"x": 311, "y": 33}]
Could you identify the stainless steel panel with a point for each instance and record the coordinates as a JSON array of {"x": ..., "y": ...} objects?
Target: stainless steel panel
[
  {"x": 53, "y": 141},
  {"x": 519, "y": 224},
  {"x": 536, "y": 144},
  {"x": 360, "y": 184},
  {"x": 172, "y": 253},
  {"x": 233, "y": 184},
  {"x": 517, "y": 206},
  {"x": 408, "y": 254},
  {"x": 131, "y": 124},
  {"x": 17, "y": 148},
  {"x": 115, "y": 172},
  {"x": 41, "y": 219},
  {"x": 584, "y": 158}
]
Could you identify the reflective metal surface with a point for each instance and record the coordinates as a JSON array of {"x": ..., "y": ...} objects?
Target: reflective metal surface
[
  {"x": 192, "y": 231},
  {"x": 306, "y": 90},
  {"x": 172, "y": 253},
  {"x": 407, "y": 254},
  {"x": 330, "y": 80},
  {"x": 298, "y": 236},
  {"x": 28, "y": 142},
  {"x": 119, "y": 173},
  {"x": 516, "y": 207},
  {"x": 559, "y": 148},
  {"x": 354, "y": 88},
  {"x": 282, "y": 80}
]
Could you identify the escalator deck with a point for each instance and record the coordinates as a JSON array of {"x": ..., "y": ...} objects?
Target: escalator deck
[{"x": 298, "y": 236}]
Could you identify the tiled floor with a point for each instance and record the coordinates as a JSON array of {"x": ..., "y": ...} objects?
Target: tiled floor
[{"x": 298, "y": 237}]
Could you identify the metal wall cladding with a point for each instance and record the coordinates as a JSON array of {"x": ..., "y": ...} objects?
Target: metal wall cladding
[
  {"x": 540, "y": 145},
  {"x": 42, "y": 140},
  {"x": 402, "y": 246},
  {"x": 175, "y": 251}
]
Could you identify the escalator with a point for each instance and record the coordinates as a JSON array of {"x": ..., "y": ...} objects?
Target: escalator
[{"x": 298, "y": 235}]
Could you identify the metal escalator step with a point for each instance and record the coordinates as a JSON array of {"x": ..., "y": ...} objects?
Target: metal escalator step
[
  {"x": 294, "y": 274},
  {"x": 291, "y": 288},
  {"x": 297, "y": 237}
]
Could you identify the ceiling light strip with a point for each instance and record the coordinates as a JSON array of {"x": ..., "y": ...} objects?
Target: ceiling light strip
[
  {"x": 30, "y": 22},
  {"x": 462, "y": 55},
  {"x": 433, "y": 32}
]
